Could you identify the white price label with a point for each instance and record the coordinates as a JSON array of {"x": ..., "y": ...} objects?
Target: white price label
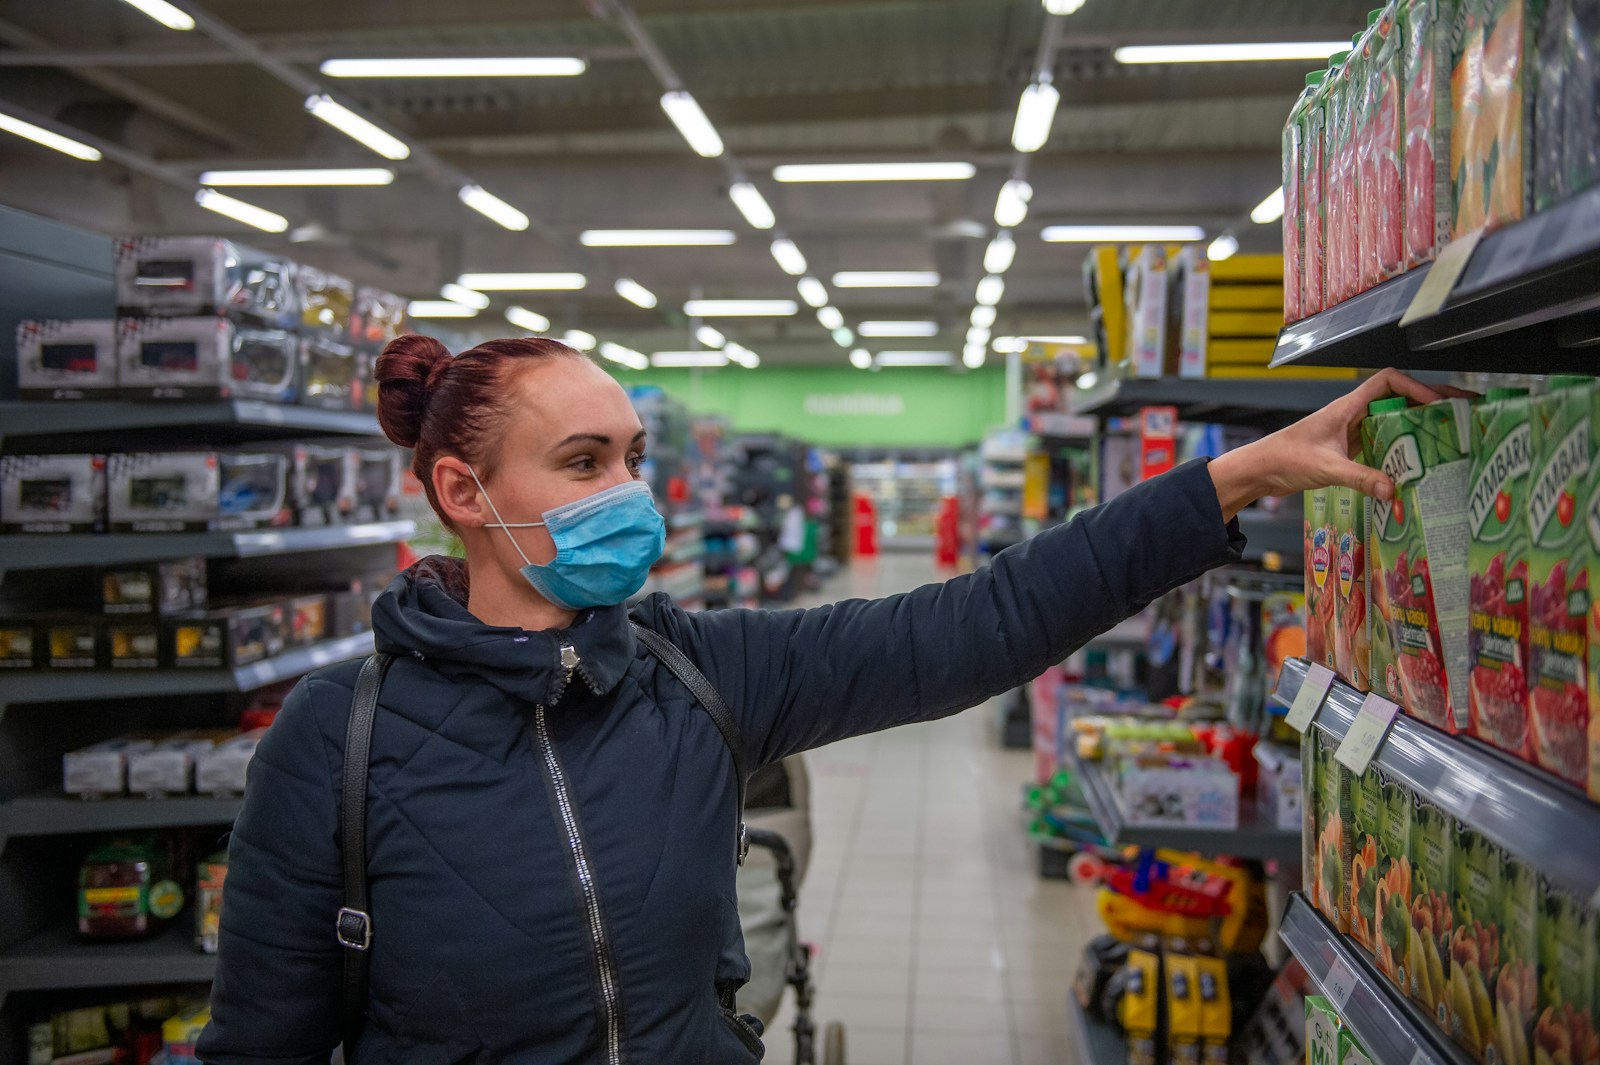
[
  {"x": 1360, "y": 745},
  {"x": 1339, "y": 984},
  {"x": 1442, "y": 276},
  {"x": 1308, "y": 700}
]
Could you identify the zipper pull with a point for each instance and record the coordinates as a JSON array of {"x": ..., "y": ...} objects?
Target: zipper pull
[{"x": 569, "y": 660}]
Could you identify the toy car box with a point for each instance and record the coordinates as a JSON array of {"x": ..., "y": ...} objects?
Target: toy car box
[
  {"x": 176, "y": 277},
  {"x": 72, "y": 359},
  {"x": 205, "y": 359},
  {"x": 52, "y": 493}
]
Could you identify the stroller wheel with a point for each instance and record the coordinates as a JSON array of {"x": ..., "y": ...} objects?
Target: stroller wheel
[{"x": 833, "y": 1044}]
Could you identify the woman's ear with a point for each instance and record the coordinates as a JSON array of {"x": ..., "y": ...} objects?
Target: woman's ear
[{"x": 458, "y": 494}]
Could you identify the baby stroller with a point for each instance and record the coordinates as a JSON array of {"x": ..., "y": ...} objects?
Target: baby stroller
[{"x": 779, "y": 817}]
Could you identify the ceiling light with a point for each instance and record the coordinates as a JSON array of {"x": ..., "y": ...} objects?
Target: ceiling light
[
  {"x": 887, "y": 279},
  {"x": 523, "y": 282},
  {"x": 899, "y": 329},
  {"x": 534, "y": 322},
  {"x": 830, "y": 318},
  {"x": 1121, "y": 234},
  {"x": 440, "y": 309},
  {"x": 788, "y": 257},
  {"x": 248, "y": 213},
  {"x": 1229, "y": 53},
  {"x": 843, "y": 337},
  {"x": 457, "y": 294},
  {"x": 633, "y": 360},
  {"x": 861, "y": 359},
  {"x": 1062, "y": 7},
  {"x": 692, "y": 123},
  {"x": 458, "y": 67},
  {"x": 1010, "y": 345},
  {"x": 743, "y": 356},
  {"x": 1269, "y": 209},
  {"x": 978, "y": 336},
  {"x": 577, "y": 338},
  {"x": 740, "y": 308},
  {"x": 874, "y": 172},
  {"x": 1011, "y": 206},
  {"x": 813, "y": 292},
  {"x": 915, "y": 358},
  {"x": 710, "y": 337},
  {"x": 655, "y": 238},
  {"x": 678, "y": 360},
  {"x": 1036, "y": 113},
  {"x": 635, "y": 293},
  {"x": 990, "y": 289},
  {"x": 984, "y": 316},
  {"x": 357, "y": 128},
  {"x": 748, "y": 199},
  {"x": 1002, "y": 250},
  {"x": 1056, "y": 340},
  {"x": 973, "y": 356},
  {"x": 40, "y": 135},
  {"x": 166, "y": 14},
  {"x": 1224, "y": 247},
  {"x": 350, "y": 176},
  {"x": 493, "y": 208}
]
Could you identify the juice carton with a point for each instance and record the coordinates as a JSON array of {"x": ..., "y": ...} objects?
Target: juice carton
[
  {"x": 1335, "y": 835},
  {"x": 1420, "y": 553},
  {"x": 1497, "y": 516},
  {"x": 1558, "y": 595},
  {"x": 1590, "y": 558},
  {"x": 1468, "y": 151},
  {"x": 1510, "y": 62},
  {"x": 1429, "y": 208},
  {"x": 1366, "y": 806},
  {"x": 1385, "y": 217},
  {"x": 1379, "y": 23},
  {"x": 1322, "y": 1032},
  {"x": 1517, "y": 990},
  {"x": 1347, "y": 189},
  {"x": 1294, "y": 222},
  {"x": 1321, "y": 598},
  {"x": 1352, "y": 639},
  {"x": 1351, "y": 1052},
  {"x": 1432, "y": 921},
  {"x": 1310, "y": 856},
  {"x": 1567, "y": 958},
  {"x": 1391, "y": 903},
  {"x": 1314, "y": 196},
  {"x": 1475, "y": 942}
]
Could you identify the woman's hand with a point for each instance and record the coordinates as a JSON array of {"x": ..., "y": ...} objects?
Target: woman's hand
[{"x": 1316, "y": 451}]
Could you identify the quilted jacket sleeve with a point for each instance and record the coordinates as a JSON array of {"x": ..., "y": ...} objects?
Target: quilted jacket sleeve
[
  {"x": 276, "y": 998},
  {"x": 803, "y": 678}
]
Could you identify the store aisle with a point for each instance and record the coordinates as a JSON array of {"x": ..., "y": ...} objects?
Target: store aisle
[{"x": 938, "y": 943}]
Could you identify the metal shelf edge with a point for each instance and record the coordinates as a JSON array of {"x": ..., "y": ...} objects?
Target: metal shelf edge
[
  {"x": 23, "y": 419},
  {"x": 55, "y": 960},
  {"x": 60, "y": 552},
  {"x": 52, "y": 813}
]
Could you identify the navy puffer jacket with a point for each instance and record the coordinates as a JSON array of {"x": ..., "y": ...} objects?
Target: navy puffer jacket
[{"x": 497, "y": 772}]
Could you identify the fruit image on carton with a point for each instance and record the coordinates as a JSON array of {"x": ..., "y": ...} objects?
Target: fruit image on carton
[
  {"x": 1475, "y": 941},
  {"x": 1432, "y": 881}
]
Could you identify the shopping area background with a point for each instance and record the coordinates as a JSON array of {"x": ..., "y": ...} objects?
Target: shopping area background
[{"x": 893, "y": 287}]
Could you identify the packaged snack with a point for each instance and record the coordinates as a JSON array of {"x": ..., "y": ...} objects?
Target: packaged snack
[
  {"x": 67, "y": 360},
  {"x": 1469, "y": 150},
  {"x": 1564, "y": 1029},
  {"x": 1322, "y": 1032},
  {"x": 1386, "y": 188},
  {"x": 1432, "y": 922},
  {"x": 1558, "y": 595},
  {"x": 1505, "y": 115},
  {"x": 1429, "y": 207},
  {"x": 1366, "y": 811},
  {"x": 1321, "y": 598},
  {"x": 1391, "y": 903},
  {"x": 1497, "y": 686},
  {"x": 1334, "y": 835},
  {"x": 1475, "y": 942},
  {"x": 1351, "y": 1052},
  {"x": 1352, "y": 648},
  {"x": 1419, "y": 548},
  {"x": 1516, "y": 991},
  {"x": 1314, "y": 195},
  {"x": 52, "y": 493}
]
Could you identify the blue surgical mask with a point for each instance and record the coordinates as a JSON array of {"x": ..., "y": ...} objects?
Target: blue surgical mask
[{"x": 605, "y": 546}]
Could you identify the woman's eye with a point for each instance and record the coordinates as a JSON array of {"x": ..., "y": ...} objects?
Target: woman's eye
[
  {"x": 585, "y": 464},
  {"x": 635, "y": 463}
]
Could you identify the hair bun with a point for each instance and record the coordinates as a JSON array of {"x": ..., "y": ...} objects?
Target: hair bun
[{"x": 407, "y": 372}]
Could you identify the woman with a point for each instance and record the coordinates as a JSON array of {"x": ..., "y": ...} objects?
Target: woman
[{"x": 550, "y": 813}]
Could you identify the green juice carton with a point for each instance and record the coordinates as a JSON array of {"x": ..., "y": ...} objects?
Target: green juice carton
[
  {"x": 1516, "y": 992},
  {"x": 1351, "y": 1052},
  {"x": 1558, "y": 595},
  {"x": 1475, "y": 941},
  {"x": 1391, "y": 898},
  {"x": 1427, "y": 966},
  {"x": 1419, "y": 553},
  {"x": 1352, "y": 642},
  {"x": 1564, "y": 1029},
  {"x": 1321, "y": 598},
  {"x": 1497, "y": 518},
  {"x": 1590, "y": 558},
  {"x": 1366, "y": 811},
  {"x": 1335, "y": 787},
  {"x": 1322, "y": 1032}
]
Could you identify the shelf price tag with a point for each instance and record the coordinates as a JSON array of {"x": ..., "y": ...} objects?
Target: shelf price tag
[
  {"x": 1366, "y": 734},
  {"x": 1340, "y": 983},
  {"x": 1308, "y": 700},
  {"x": 1442, "y": 277}
]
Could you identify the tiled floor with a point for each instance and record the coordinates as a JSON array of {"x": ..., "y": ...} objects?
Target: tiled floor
[{"x": 938, "y": 943}]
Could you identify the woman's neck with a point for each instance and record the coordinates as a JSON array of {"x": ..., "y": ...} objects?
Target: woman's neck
[{"x": 506, "y": 599}]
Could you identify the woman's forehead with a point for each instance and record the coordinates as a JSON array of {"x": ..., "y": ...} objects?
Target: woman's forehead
[{"x": 565, "y": 397}]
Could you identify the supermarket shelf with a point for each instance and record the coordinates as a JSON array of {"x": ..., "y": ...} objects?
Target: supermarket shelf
[
  {"x": 1363, "y": 331},
  {"x": 51, "y": 813},
  {"x": 55, "y": 552},
  {"x": 1251, "y": 839},
  {"x": 1387, "y": 1023},
  {"x": 1262, "y": 400},
  {"x": 1097, "y": 1043},
  {"x": 244, "y": 419},
  {"x": 56, "y": 959},
  {"x": 1282, "y": 533},
  {"x": 1534, "y": 816},
  {"x": 57, "y": 686}
]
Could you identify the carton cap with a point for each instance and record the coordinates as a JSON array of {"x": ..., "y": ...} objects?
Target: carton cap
[
  {"x": 1387, "y": 406},
  {"x": 1314, "y": 78},
  {"x": 1568, "y": 380},
  {"x": 1374, "y": 15},
  {"x": 1337, "y": 59},
  {"x": 1497, "y": 394}
]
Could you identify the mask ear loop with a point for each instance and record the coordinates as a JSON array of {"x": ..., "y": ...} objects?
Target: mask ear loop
[{"x": 500, "y": 523}]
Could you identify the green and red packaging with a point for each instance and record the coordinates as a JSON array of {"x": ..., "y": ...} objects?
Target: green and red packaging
[
  {"x": 1516, "y": 991},
  {"x": 1386, "y": 187},
  {"x": 1558, "y": 595},
  {"x": 1497, "y": 506},
  {"x": 1426, "y": 975},
  {"x": 1564, "y": 1029},
  {"x": 1321, "y": 589},
  {"x": 1314, "y": 193},
  {"x": 1352, "y": 639},
  {"x": 1476, "y": 954},
  {"x": 1429, "y": 208}
]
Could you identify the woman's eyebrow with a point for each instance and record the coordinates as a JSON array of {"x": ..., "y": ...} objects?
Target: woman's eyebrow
[{"x": 594, "y": 438}]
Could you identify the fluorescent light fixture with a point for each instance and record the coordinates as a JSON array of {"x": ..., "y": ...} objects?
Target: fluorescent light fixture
[
  {"x": 830, "y": 318},
  {"x": 349, "y": 176},
  {"x": 357, "y": 128},
  {"x": 788, "y": 257},
  {"x": 743, "y": 356},
  {"x": 40, "y": 135},
  {"x": 808, "y": 172},
  {"x": 915, "y": 358},
  {"x": 1224, "y": 247},
  {"x": 740, "y": 308},
  {"x": 899, "y": 329},
  {"x": 635, "y": 293},
  {"x": 1270, "y": 209},
  {"x": 973, "y": 356},
  {"x": 1121, "y": 234},
  {"x": 493, "y": 208},
  {"x": 710, "y": 337},
  {"x": 984, "y": 317},
  {"x": 978, "y": 336},
  {"x": 887, "y": 279},
  {"x": 1000, "y": 254},
  {"x": 813, "y": 292},
  {"x": 1011, "y": 206},
  {"x": 169, "y": 16},
  {"x": 1036, "y": 113},
  {"x": 523, "y": 282},
  {"x": 679, "y": 360},
  {"x": 248, "y": 213},
  {"x": 1057, "y": 340},
  {"x": 457, "y": 294},
  {"x": 843, "y": 337},
  {"x": 692, "y": 123},
  {"x": 1229, "y": 53},
  {"x": 633, "y": 360},
  {"x": 748, "y": 199},
  {"x": 534, "y": 322},
  {"x": 1010, "y": 345},
  {"x": 1062, "y": 7},
  {"x": 990, "y": 289},
  {"x": 861, "y": 359},
  {"x": 497, "y": 67},
  {"x": 577, "y": 338},
  {"x": 655, "y": 238},
  {"x": 440, "y": 309}
]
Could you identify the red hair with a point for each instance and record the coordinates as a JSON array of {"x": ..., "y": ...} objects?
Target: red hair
[{"x": 439, "y": 404}]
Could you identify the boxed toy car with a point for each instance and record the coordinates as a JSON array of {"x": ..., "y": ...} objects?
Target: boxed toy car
[
  {"x": 202, "y": 359},
  {"x": 52, "y": 493},
  {"x": 154, "y": 587},
  {"x": 70, "y": 642},
  {"x": 322, "y": 484},
  {"x": 376, "y": 474},
  {"x": 227, "y": 637},
  {"x": 330, "y": 375},
  {"x": 254, "y": 490},
  {"x": 376, "y": 318},
  {"x": 176, "y": 277},
  {"x": 101, "y": 769},
  {"x": 72, "y": 359},
  {"x": 163, "y": 491},
  {"x": 19, "y": 644},
  {"x": 166, "y": 767},
  {"x": 132, "y": 643},
  {"x": 326, "y": 302},
  {"x": 221, "y": 770}
]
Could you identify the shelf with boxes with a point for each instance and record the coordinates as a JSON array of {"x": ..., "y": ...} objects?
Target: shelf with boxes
[
  {"x": 51, "y": 813},
  {"x": 1249, "y": 401},
  {"x": 55, "y": 959}
]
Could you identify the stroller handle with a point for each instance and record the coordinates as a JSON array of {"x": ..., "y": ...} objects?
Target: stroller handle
[{"x": 769, "y": 840}]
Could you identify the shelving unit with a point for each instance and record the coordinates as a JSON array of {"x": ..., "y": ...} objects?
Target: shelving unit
[
  {"x": 60, "y": 552},
  {"x": 56, "y": 959},
  {"x": 50, "y": 425},
  {"x": 1097, "y": 1043},
  {"x": 50, "y": 813},
  {"x": 1262, "y": 401}
]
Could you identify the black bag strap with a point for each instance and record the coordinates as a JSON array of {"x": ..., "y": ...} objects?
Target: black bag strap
[
  {"x": 354, "y": 924},
  {"x": 702, "y": 690}
]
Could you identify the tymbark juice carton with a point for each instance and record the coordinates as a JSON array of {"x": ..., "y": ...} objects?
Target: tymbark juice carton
[
  {"x": 1366, "y": 810},
  {"x": 1475, "y": 942},
  {"x": 1321, "y": 598},
  {"x": 1391, "y": 901},
  {"x": 1516, "y": 991},
  {"x": 1564, "y": 1029},
  {"x": 1334, "y": 834},
  {"x": 1432, "y": 919}
]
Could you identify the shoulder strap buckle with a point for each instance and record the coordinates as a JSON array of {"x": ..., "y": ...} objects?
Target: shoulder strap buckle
[{"x": 354, "y": 929}]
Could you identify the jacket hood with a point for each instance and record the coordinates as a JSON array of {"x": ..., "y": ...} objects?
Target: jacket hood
[{"x": 423, "y": 613}]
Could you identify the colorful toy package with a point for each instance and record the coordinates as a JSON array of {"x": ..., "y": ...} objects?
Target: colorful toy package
[
  {"x": 1386, "y": 188},
  {"x": 1497, "y": 516},
  {"x": 1558, "y": 595},
  {"x": 1475, "y": 954},
  {"x": 1432, "y": 883},
  {"x": 1391, "y": 901},
  {"x": 1516, "y": 992},
  {"x": 1314, "y": 199},
  {"x": 1429, "y": 210},
  {"x": 1321, "y": 600},
  {"x": 1565, "y": 1028},
  {"x": 1419, "y": 548},
  {"x": 1352, "y": 640},
  {"x": 1335, "y": 836}
]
